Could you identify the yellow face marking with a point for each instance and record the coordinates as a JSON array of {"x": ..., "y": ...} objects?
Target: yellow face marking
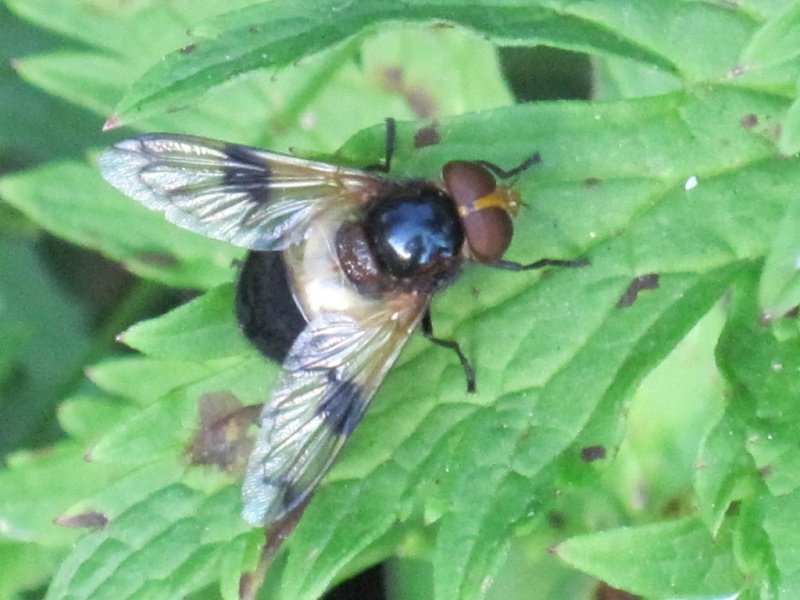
[{"x": 501, "y": 197}]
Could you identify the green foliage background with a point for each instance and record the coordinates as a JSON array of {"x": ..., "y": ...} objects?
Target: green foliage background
[{"x": 682, "y": 166}]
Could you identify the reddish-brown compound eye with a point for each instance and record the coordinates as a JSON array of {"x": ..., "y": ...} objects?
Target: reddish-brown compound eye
[
  {"x": 485, "y": 209},
  {"x": 489, "y": 232}
]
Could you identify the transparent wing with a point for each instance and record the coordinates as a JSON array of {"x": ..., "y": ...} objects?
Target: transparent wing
[
  {"x": 246, "y": 196},
  {"x": 330, "y": 375}
]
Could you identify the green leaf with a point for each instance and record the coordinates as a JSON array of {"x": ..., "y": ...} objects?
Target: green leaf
[
  {"x": 274, "y": 34},
  {"x": 761, "y": 420},
  {"x": 684, "y": 186},
  {"x": 159, "y": 432},
  {"x": 90, "y": 417},
  {"x": 28, "y": 502},
  {"x": 35, "y": 489},
  {"x": 176, "y": 526},
  {"x": 675, "y": 557},
  {"x": 765, "y": 381},
  {"x": 780, "y": 514},
  {"x": 120, "y": 28},
  {"x": 545, "y": 364},
  {"x": 551, "y": 339},
  {"x": 203, "y": 329},
  {"x": 725, "y": 472},
  {"x": 144, "y": 379},
  {"x": 28, "y": 135},
  {"x": 74, "y": 76},
  {"x": 166, "y": 428},
  {"x": 789, "y": 142},
  {"x": 356, "y": 525},
  {"x": 165, "y": 538},
  {"x": 45, "y": 341},
  {"x": 779, "y": 291},
  {"x": 24, "y": 567},
  {"x": 774, "y": 41}
]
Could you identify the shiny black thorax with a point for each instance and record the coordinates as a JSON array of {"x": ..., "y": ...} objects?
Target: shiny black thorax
[{"x": 408, "y": 237}]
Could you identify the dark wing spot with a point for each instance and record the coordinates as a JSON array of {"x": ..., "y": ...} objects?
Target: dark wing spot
[
  {"x": 342, "y": 404},
  {"x": 592, "y": 453},
  {"x": 255, "y": 180},
  {"x": 638, "y": 284}
]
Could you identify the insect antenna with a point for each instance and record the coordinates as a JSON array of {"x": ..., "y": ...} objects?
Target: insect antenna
[{"x": 502, "y": 173}]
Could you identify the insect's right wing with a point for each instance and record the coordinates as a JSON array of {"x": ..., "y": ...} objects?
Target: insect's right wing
[
  {"x": 330, "y": 375},
  {"x": 249, "y": 197}
]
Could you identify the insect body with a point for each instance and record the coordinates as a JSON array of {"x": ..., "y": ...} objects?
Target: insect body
[{"x": 364, "y": 256}]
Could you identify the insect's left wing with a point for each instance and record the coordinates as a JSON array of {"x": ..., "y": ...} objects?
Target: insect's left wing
[
  {"x": 330, "y": 375},
  {"x": 249, "y": 197}
]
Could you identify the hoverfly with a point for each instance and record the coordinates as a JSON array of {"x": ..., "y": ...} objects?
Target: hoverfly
[{"x": 363, "y": 256}]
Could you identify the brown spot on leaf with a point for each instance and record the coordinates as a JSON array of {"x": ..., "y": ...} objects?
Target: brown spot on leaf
[
  {"x": 638, "y": 284},
  {"x": 222, "y": 439},
  {"x": 606, "y": 592},
  {"x": 427, "y": 136},
  {"x": 91, "y": 519},
  {"x": 593, "y": 453},
  {"x": 556, "y": 520},
  {"x": 674, "y": 508},
  {"x": 393, "y": 79},
  {"x": 748, "y": 121},
  {"x": 188, "y": 49},
  {"x": 417, "y": 97},
  {"x": 157, "y": 259},
  {"x": 421, "y": 102}
]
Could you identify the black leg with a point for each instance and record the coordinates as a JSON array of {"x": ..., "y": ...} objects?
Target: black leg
[
  {"x": 391, "y": 134},
  {"x": 427, "y": 331},
  {"x": 539, "y": 264},
  {"x": 501, "y": 173}
]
